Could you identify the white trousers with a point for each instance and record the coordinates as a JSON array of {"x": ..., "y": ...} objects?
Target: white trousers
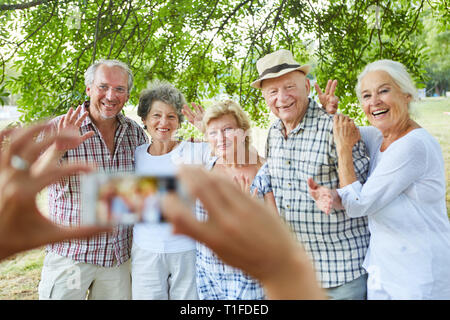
[
  {"x": 163, "y": 276},
  {"x": 65, "y": 279}
]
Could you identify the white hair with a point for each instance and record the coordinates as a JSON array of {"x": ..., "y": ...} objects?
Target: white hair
[
  {"x": 396, "y": 71},
  {"x": 90, "y": 72}
]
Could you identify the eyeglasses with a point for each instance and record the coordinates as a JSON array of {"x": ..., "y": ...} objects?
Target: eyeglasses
[
  {"x": 118, "y": 90},
  {"x": 227, "y": 132}
]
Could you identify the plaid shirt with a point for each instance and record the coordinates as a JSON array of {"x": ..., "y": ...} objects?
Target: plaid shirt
[
  {"x": 217, "y": 280},
  {"x": 64, "y": 197},
  {"x": 336, "y": 243}
]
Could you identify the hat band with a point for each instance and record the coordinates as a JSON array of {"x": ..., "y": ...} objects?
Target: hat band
[{"x": 278, "y": 68}]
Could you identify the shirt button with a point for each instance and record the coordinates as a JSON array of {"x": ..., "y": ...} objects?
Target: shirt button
[
  {"x": 288, "y": 162},
  {"x": 288, "y": 206}
]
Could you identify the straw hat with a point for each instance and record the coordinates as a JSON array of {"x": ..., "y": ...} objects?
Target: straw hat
[{"x": 276, "y": 64}]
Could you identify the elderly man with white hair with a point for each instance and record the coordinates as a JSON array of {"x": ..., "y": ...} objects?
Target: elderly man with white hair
[
  {"x": 300, "y": 145},
  {"x": 99, "y": 264}
]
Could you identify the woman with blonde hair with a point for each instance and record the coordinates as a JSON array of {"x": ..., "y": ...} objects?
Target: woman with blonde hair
[{"x": 227, "y": 130}]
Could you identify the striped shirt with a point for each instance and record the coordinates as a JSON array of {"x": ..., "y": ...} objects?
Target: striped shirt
[
  {"x": 336, "y": 243},
  {"x": 64, "y": 197}
]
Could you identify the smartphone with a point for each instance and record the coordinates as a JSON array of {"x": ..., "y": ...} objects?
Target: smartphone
[{"x": 124, "y": 199}]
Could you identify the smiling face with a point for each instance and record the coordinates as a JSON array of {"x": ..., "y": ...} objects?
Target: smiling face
[
  {"x": 225, "y": 136},
  {"x": 162, "y": 121},
  {"x": 108, "y": 92},
  {"x": 287, "y": 97},
  {"x": 383, "y": 102}
]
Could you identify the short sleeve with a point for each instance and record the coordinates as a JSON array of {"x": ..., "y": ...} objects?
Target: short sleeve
[
  {"x": 192, "y": 153},
  {"x": 361, "y": 161},
  {"x": 262, "y": 182}
]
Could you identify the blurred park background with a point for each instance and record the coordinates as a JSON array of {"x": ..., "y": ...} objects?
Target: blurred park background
[{"x": 208, "y": 49}]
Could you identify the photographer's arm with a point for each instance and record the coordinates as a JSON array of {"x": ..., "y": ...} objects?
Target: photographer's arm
[
  {"x": 245, "y": 234},
  {"x": 22, "y": 226}
]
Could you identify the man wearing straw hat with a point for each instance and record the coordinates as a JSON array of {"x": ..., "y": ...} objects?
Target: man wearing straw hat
[{"x": 300, "y": 145}]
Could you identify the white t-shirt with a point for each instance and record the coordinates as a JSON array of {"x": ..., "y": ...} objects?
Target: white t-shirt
[
  {"x": 404, "y": 199},
  {"x": 158, "y": 237}
]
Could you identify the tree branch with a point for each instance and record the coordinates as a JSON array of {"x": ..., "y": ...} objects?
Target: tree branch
[
  {"x": 260, "y": 32},
  {"x": 34, "y": 32},
  {"x": 123, "y": 24},
  {"x": 224, "y": 22},
  {"x": 22, "y": 6},
  {"x": 97, "y": 25},
  {"x": 407, "y": 34}
]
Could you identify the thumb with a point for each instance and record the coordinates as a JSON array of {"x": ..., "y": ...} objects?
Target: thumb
[
  {"x": 312, "y": 184},
  {"x": 87, "y": 135}
]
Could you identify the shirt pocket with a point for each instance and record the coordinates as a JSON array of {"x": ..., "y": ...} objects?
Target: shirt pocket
[{"x": 319, "y": 169}]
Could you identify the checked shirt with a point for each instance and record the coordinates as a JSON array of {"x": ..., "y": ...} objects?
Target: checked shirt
[
  {"x": 336, "y": 243},
  {"x": 215, "y": 279},
  {"x": 105, "y": 249}
]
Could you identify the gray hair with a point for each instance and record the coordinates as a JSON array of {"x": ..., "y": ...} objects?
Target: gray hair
[
  {"x": 398, "y": 73},
  {"x": 90, "y": 72},
  {"x": 161, "y": 91}
]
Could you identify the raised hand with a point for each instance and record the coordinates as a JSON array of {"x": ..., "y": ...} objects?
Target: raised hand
[
  {"x": 328, "y": 100},
  {"x": 194, "y": 115},
  {"x": 72, "y": 120}
]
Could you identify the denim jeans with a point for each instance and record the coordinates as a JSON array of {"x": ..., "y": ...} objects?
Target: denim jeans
[{"x": 353, "y": 290}]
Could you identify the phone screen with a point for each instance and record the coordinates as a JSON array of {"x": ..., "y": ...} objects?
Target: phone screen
[{"x": 114, "y": 199}]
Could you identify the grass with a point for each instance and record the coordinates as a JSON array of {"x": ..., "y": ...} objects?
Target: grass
[
  {"x": 20, "y": 274},
  {"x": 434, "y": 115}
]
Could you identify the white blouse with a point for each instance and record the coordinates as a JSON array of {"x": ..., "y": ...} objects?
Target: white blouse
[
  {"x": 404, "y": 199},
  {"x": 158, "y": 237}
]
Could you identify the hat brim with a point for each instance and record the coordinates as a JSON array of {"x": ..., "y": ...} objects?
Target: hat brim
[{"x": 257, "y": 83}]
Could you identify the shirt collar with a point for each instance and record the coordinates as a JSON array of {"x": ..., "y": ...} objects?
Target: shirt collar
[{"x": 308, "y": 119}]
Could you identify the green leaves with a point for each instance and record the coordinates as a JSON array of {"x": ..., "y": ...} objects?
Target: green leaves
[{"x": 207, "y": 48}]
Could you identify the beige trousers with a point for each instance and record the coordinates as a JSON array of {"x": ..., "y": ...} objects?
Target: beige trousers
[
  {"x": 163, "y": 276},
  {"x": 65, "y": 279}
]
